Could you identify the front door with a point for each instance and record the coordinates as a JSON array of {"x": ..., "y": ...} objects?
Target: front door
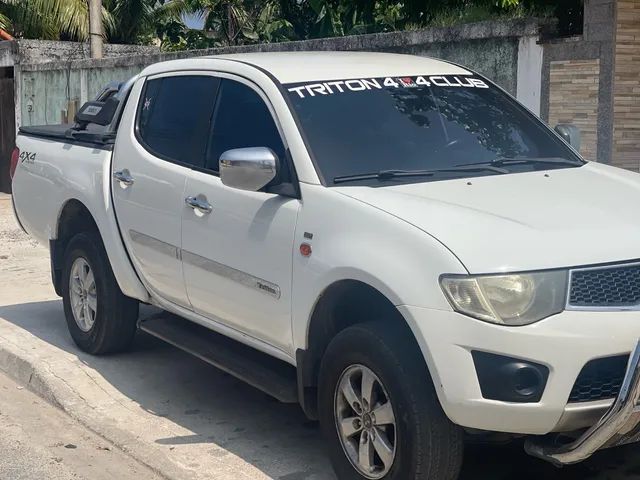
[
  {"x": 150, "y": 164},
  {"x": 237, "y": 257}
]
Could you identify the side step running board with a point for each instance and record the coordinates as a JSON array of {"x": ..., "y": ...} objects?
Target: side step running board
[{"x": 272, "y": 376}]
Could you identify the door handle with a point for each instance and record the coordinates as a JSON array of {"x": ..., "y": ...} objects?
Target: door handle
[
  {"x": 198, "y": 204},
  {"x": 124, "y": 177}
]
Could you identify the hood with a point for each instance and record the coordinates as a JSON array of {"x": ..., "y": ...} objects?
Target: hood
[{"x": 523, "y": 221}]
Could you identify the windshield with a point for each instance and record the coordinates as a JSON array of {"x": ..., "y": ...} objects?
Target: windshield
[{"x": 363, "y": 126}]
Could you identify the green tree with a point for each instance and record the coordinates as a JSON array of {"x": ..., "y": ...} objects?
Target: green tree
[
  {"x": 226, "y": 22},
  {"x": 331, "y": 18},
  {"x": 240, "y": 22},
  {"x": 326, "y": 18},
  {"x": 46, "y": 19},
  {"x": 131, "y": 21},
  {"x": 125, "y": 21}
]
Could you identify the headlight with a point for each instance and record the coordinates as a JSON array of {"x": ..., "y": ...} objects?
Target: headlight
[{"x": 516, "y": 299}]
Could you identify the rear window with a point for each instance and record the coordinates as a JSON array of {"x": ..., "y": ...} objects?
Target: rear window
[{"x": 174, "y": 117}]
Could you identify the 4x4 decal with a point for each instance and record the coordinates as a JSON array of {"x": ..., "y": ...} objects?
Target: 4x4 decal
[{"x": 27, "y": 157}]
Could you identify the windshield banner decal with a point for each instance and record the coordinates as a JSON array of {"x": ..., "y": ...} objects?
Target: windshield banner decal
[{"x": 306, "y": 90}]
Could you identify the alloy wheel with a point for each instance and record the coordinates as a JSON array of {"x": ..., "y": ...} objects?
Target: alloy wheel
[
  {"x": 365, "y": 421},
  {"x": 83, "y": 294}
]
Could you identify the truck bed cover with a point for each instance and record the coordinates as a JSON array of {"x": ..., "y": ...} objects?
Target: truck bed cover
[{"x": 91, "y": 137}]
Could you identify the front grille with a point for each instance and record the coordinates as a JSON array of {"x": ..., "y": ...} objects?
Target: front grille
[
  {"x": 617, "y": 286},
  {"x": 600, "y": 379}
]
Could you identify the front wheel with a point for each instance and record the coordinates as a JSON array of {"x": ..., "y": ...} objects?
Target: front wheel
[
  {"x": 100, "y": 318},
  {"x": 379, "y": 411}
]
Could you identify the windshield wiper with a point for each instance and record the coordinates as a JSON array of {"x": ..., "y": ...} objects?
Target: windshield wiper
[
  {"x": 391, "y": 174},
  {"x": 501, "y": 161}
]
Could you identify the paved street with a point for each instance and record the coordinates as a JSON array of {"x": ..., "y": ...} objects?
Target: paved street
[
  {"x": 38, "y": 441},
  {"x": 169, "y": 410}
]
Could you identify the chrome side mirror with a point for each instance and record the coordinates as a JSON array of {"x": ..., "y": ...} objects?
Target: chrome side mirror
[
  {"x": 570, "y": 134},
  {"x": 248, "y": 168}
]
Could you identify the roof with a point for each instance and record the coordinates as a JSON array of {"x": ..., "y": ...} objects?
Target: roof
[{"x": 294, "y": 67}]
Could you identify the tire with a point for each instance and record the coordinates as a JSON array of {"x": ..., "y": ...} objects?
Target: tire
[
  {"x": 427, "y": 446},
  {"x": 112, "y": 316}
]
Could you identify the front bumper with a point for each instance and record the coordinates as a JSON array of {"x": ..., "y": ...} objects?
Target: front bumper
[
  {"x": 564, "y": 343},
  {"x": 619, "y": 426}
]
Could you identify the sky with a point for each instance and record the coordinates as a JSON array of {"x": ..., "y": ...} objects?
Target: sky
[{"x": 193, "y": 21}]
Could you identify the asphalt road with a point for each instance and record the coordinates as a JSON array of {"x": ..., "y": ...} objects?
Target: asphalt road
[{"x": 38, "y": 441}]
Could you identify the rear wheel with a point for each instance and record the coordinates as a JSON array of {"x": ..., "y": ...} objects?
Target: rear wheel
[
  {"x": 379, "y": 411},
  {"x": 83, "y": 295},
  {"x": 100, "y": 318}
]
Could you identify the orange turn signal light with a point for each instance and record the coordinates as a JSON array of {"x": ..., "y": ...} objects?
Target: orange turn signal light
[{"x": 305, "y": 249}]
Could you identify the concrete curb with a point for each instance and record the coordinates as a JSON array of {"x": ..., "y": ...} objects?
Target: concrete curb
[
  {"x": 53, "y": 389},
  {"x": 23, "y": 372}
]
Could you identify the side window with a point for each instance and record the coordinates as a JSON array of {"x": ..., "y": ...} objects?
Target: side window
[
  {"x": 242, "y": 119},
  {"x": 174, "y": 117}
]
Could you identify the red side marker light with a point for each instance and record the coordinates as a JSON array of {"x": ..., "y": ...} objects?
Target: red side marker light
[
  {"x": 15, "y": 155},
  {"x": 305, "y": 249}
]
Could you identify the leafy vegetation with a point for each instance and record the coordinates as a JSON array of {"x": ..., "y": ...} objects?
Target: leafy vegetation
[
  {"x": 239, "y": 22},
  {"x": 125, "y": 21},
  {"x": 47, "y": 19},
  {"x": 225, "y": 22}
]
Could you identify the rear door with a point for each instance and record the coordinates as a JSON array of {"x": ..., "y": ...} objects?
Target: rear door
[
  {"x": 238, "y": 256},
  {"x": 171, "y": 121}
]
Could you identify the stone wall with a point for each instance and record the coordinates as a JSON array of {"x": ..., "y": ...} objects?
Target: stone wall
[
  {"x": 573, "y": 98},
  {"x": 497, "y": 58},
  {"x": 626, "y": 93},
  {"x": 45, "y": 98},
  {"x": 491, "y": 48},
  {"x": 8, "y": 53},
  {"x": 38, "y": 51}
]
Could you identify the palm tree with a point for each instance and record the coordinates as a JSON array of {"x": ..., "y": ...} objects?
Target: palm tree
[
  {"x": 133, "y": 21},
  {"x": 46, "y": 19},
  {"x": 5, "y": 22},
  {"x": 125, "y": 21},
  {"x": 235, "y": 22}
]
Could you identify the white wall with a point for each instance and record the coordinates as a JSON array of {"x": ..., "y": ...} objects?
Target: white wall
[{"x": 529, "y": 78}]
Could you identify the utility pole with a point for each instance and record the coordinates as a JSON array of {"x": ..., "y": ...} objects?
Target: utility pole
[{"x": 95, "y": 28}]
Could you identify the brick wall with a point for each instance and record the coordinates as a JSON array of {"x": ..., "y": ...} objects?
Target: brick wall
[
  {"x": 626, "y": 92},
  {"x": 573, "y": 98}
]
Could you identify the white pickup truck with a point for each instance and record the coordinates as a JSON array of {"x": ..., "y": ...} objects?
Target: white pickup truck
[{"x": 392, "y": 241}]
